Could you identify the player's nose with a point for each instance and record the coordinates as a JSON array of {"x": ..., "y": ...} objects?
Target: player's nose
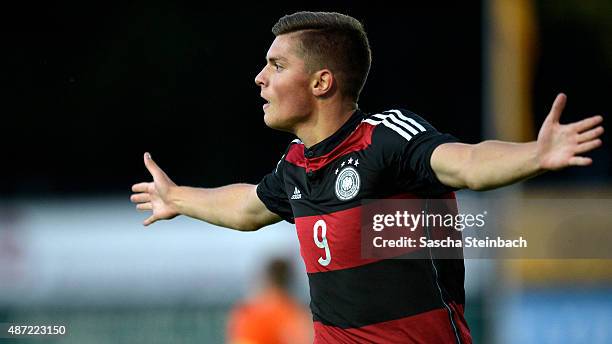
[{"x": 260, "y": 78}]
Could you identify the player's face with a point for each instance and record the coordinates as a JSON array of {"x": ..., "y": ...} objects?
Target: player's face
[{"x": 284, "y": 84}]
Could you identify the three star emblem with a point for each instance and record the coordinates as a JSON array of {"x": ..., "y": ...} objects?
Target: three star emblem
[{"x": 350, "y": 161}]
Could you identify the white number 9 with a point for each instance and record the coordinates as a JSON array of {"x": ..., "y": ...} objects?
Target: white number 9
[{"x": 323, "y": 242}]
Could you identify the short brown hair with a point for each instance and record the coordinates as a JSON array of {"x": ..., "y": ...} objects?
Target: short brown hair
[
  {"x": 334, "y": 41},
  {"x": 278, "y": 273}
]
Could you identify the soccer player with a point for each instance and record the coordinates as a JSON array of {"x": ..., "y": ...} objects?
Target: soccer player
[{"x": 316, "y": 68}]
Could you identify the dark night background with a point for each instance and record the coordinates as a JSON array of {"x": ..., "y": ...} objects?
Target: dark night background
[{"x": 92, "y": 87}]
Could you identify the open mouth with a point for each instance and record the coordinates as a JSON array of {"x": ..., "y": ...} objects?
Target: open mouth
[{"x": 267, "y": 104}]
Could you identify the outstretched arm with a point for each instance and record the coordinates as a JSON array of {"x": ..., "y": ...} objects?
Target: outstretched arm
[
  {"x": 492, "y": 164},
  {"x": 235, "y": 206}
]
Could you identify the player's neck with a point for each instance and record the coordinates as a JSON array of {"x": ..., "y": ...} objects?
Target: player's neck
[{"x": 324, "y": 122}]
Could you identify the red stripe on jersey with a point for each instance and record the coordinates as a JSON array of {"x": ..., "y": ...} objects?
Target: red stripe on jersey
[
  {"x": 343, "y": 239},
  {"x": 358, "y": 140},
  {"x": 460, "y": 322},
  {"x": 343, "y": 246},
  {"x": 431, "y": 327}
]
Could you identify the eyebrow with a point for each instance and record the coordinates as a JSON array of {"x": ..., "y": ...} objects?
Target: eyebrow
[{"x": 273, "y": 59}]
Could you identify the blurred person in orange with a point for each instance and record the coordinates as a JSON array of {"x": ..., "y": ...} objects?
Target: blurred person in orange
[{"x": 273, "y": 315}]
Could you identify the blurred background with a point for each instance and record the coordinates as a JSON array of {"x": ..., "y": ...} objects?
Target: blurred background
[{"x": 90, "y": 87}]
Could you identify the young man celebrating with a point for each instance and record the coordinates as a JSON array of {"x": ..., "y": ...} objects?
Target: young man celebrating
[{"x": 316, "y": 68}]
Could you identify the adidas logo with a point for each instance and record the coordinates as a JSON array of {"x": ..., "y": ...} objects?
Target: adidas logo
[{"x": 296, "y": 194}]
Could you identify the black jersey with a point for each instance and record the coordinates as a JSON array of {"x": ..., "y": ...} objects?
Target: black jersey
[{"x": 321, "y": 188}]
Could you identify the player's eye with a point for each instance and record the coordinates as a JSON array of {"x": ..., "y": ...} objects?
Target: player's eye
[{"x": 278, "y": 67}]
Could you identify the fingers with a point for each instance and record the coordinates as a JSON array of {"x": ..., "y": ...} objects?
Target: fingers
[
  {"x": 151, "y": 219},
  {"x": 587, "y": 146},
  {"x": 587, "y": 123},
  {"x": 143, "y": 198},
  {"x": 140, "y": 187},
  {"x": 140, "y": 198},
  {"x": 155, "y": 171},
  {"x": 590, "y": 135},
  {"x": 144, "y": 206},
  {"x": 557, "y": 107},
  {"x": 580, "y": 161}
]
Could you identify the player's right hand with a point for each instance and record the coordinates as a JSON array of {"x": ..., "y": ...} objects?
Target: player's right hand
[{"x": 154, "y": 195}]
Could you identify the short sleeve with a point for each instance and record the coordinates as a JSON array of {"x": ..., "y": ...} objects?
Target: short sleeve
[
  {"x": 271, "y": 191},
  {"x": 412, "y": 142}
]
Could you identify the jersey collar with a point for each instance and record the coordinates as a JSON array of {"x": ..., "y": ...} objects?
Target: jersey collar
[{"x": 336, "y": 138}]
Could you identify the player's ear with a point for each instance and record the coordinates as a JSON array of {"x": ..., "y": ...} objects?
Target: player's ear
[{"x": 322, "y": 82}]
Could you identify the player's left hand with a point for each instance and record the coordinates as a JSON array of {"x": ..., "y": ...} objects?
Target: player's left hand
[{"x": 561, "y": 145}]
